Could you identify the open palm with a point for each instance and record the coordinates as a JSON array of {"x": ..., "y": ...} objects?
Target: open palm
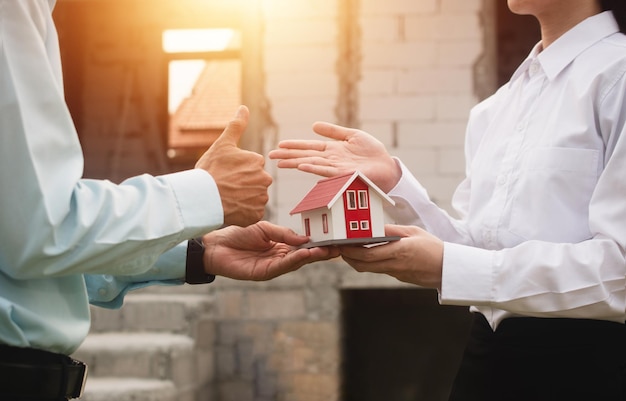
[
  {"x": 258, "y": 252},
  {"x": 348, "y": 151}
]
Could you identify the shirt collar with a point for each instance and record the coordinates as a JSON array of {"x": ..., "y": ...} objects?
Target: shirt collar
[{"x": 566, "y": 48}]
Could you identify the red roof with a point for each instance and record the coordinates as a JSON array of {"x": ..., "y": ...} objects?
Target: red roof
[
  {"x": 215, "y": 95},
  {"x": 200, "y": 118},
  {"x": 322, "y": 193}
]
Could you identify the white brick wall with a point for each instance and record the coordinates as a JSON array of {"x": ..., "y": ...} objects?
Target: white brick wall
[
  {"x": 398, "y": 7},
  {"x": 302, "y": 84},
  {"x": 415, "y": 90},
  {"x": 418, "y": 83}
]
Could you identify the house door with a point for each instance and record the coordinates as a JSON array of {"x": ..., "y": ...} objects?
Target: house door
[{"x": 357, "y": 207}]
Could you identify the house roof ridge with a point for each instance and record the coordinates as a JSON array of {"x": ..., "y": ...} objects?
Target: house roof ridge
[{"x": 326, "y": 191}]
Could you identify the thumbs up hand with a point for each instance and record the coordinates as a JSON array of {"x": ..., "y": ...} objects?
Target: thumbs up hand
[{"x": 239, "y": 174}]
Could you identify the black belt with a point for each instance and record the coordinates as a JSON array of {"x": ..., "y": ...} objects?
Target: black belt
[{"x": 27, "y": 373}]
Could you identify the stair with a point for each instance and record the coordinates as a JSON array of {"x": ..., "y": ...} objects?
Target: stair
[
  {"x": 120, "y": 389},
  {"x": 157, "y": 347}
]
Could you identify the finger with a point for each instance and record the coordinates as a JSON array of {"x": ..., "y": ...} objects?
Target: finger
[
  {"x": 290, "y": 262},
  {"x": 323, "y": 171},
  {"x": 332, "y": 131},
  {"x": 281, "y": 234},
  {"x": 236, "y": 127},
  {"x": 313, "y": 160},
  {"x": 324, "y": 253},
  {"x": 362, "y": 266},
  {"x": 393, "y": 230},
  {"x": 301, "y": 257},
  {"x": 378, "y": 254},
  {"x": 290, "y": 154},
  {"x": 303, "y": 144}
]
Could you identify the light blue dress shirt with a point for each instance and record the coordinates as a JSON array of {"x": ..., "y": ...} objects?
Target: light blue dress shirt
[{"x": 65, "y": 240}]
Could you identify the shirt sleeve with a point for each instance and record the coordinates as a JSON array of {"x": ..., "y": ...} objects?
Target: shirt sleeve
[
  {"x": 53, "y": 222},
  {"x": 586, "y": 279},
  {"x": 414, "y": 207},
  {"x": 109, "y": 291}
]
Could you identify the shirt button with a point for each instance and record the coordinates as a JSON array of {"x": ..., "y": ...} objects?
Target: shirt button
[
  {"x": 534, "y": 68},
  {"x": 102, "y": 292}
]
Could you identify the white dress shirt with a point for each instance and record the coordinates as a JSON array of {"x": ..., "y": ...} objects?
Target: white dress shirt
[
  {"x": 542, "y": 226},
  {"x": 58, "y": 231}
]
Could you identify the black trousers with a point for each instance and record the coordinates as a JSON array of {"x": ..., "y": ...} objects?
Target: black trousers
[{"x": 533, "y": 359}]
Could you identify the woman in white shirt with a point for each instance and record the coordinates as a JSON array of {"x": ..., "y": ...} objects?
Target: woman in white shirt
[{"x": 539, "y": 247}]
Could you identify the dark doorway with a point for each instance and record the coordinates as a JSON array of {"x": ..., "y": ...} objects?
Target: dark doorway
[{"x": 400, "y": 345}]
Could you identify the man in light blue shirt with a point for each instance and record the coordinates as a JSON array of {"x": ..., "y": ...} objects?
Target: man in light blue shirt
[{"x": 67, "y": 241}]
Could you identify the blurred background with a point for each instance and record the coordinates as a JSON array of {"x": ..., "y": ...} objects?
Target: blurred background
[{"x": 152, "y": 83}]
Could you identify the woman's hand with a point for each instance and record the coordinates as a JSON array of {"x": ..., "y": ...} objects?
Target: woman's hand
[
  {"x": 349, "y": 150},
  {"x": 417, "y": 258}
]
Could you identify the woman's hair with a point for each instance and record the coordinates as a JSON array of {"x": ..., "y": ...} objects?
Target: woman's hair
[{"x": 619, "y": 11}]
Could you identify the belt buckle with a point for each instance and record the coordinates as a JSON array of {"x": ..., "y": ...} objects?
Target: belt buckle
[{"x": 78, "y": 391}]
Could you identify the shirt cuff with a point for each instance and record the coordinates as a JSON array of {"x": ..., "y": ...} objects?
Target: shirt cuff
[
  {"x": 409, "y": 195},
  {"x": 200, "y": 205},
  {"x": 467, "y": 276}
]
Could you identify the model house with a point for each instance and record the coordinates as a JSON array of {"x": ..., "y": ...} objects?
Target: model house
[{"x": 347, "y": 208}]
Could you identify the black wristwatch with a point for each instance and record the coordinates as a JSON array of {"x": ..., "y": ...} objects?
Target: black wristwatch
[{"x": 194, "y": 268}]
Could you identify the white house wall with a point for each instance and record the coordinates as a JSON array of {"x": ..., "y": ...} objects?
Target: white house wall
[
  {"x": 317, "y": 230},
  {"x": 339, "y": 220},
  {"x": 336, "y": 220},
  {"x": 377, "y": 215}
]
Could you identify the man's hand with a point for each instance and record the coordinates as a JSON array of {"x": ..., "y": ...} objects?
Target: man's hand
[
  {"x": 259, "y": 252},
  {"x": 348, "y": 151},
  {"x": 239, "y": 174}
]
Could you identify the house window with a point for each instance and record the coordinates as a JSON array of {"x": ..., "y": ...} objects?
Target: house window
[
  {"x": 325, "y": 223},
  {"x": 363, "y": 199},
  {"x": 307, "y": 227},
  {"x": 365, "y": 225},
  {"x": 354, "y": 225},
  {"x": 351, "y": 200},
  {"x": 204, "y": 87}
]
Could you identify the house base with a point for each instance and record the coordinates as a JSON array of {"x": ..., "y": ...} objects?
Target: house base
[{"x": 366, "y": 242}]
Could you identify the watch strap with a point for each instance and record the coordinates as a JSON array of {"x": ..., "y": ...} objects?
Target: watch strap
[{"x": 194, "y": 267}]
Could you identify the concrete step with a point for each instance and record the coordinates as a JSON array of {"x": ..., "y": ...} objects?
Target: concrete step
[
  {"x": 175, "y": 289},
  {"x": 123, "y": 389},
  {"x": 143, "y": 355},
  {"x": 167, "y": 312}
]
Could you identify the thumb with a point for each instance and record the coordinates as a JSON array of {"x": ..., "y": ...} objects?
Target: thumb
[
  {"x": 333, "y": 131},
  {"x": 392, "y": 230},
  {"x": 236, "y": 127},
  {"x": 277, "y": 233}
]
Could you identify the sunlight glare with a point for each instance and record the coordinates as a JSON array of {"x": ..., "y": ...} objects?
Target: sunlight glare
[
  {"x": 196, "y": 40},
  {"x": 183, "y": 75}
]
